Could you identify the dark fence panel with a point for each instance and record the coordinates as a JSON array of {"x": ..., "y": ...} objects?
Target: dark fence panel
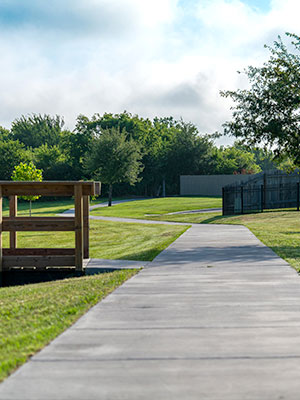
[{"x": 256, "y": 198}]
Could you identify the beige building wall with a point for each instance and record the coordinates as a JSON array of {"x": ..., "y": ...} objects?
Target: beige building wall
[{"x": 208, "y": 185}]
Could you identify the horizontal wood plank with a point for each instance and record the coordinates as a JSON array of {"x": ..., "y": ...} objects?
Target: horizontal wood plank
[
  {"x": 38, "y": 224},
  {"x": 48, "y": 188},
  {"x": 39, "y": 252},
  {"x": 39, "y": 262}
]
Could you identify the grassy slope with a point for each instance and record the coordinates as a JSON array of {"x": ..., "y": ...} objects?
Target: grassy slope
[
  {"x": 280, "y": 229},
  {"x": 112, "y": 240},
  {"x": 32, "y": 315},
  {"x": 142, "y": 208}
]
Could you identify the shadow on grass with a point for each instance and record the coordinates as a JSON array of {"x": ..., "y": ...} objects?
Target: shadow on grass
[
  {"x": 146, "y": 255},
  {"x": 217, "y": 218}
]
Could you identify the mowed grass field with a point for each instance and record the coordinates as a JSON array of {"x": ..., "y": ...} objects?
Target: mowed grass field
[
  {"x": 153, "y": 208},
  {"x": 278, "y": 229},
  {"x": 33, "y": 315},
  {"x": 112, "y": 240}
]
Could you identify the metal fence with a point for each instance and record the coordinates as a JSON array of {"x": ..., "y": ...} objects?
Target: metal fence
[{"x": 244, "y": 199}]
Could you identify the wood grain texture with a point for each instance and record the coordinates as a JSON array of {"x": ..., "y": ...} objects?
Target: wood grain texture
[
  {"x": 13, "y": 210},
  {"x": 39, "y": 262},
  {"x": 78, "y": 228},
  {"x": 1, "y": 227},
  {"x": 48, "y": 188},
  {"x": 86, "y": 226},
  {"x": 39, "y": 252},
  {"x": 38, "y": 224}
]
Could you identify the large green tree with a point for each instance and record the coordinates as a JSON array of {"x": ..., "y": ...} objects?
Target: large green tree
[
  {"x": 114, "y": 159},
  {"x": 268, "y": 112},
  {"x": 53, "y": 161},
  {"x": 12, "y": 152},
  {"x": 169, "y": 147},
  {"x": 36, "y": 129},
  {"x": 232, "y": 160}
]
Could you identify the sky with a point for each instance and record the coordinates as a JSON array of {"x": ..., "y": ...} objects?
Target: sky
[{"x": 149, "y": 57}]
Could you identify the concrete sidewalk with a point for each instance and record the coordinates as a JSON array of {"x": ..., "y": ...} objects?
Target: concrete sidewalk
[{"x": 216, "y": 316}]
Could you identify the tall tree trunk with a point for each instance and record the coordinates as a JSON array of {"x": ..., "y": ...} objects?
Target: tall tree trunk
[
  {"x": 30, "y": 208},
  {"x": 110, "y": 194},
  {"x": 164, "y": 188}
]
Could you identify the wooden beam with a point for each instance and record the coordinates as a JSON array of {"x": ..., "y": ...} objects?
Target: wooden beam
[
  {"x": 1, "y": 227},
  {"x": 78, "y": 227},
  {"x": 13, "y": 210},
  {"x": 86, "y": 226},
  {"x": 50, "y": 188},
  {"x": 39, "y": 262},
  {"x": 39, "y": 252},
  {"x": 38, "y": 224}
]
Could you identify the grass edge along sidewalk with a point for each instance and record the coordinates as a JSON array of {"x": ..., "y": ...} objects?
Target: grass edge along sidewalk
[
  {"x": 277, "y": 229},
  {"x": 33, "y": 315}
]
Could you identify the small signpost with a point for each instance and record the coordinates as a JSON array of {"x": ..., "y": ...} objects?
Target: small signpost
[{"x": 44, "y": 258}]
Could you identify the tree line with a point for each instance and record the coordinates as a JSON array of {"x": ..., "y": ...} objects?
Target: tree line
[{"x": 139, "y": 155}]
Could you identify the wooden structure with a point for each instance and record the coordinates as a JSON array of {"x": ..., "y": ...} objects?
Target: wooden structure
[{"x": 43, "y": 258}]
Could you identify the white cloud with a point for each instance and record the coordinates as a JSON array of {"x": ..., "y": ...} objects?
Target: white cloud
[{"x": 151, "y": 57}]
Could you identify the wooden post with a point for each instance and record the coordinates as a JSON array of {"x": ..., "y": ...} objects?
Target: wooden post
[
  {"x": 1, "y": 218},
  {"x": 13, "y": 210},
  {"x": 78, "y": 227},
  {"x": 86, "y": 226}
]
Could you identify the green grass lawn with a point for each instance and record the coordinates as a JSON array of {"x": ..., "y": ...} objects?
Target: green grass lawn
[
  {"x": 40, "y": 208},
  {"x": 112, "y": 240},
  {"x": 44, "y": 207},
  {"x": 147, "y": 208},
  {"x": 33, "y": 315}
]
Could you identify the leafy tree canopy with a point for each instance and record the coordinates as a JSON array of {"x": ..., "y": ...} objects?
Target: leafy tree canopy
[
  {"x": 269, "y": 112},
  {"x": 231, "y": 160},
  {"x": 114, "y": 159},
  {"x": 53, "y": 161},
  {"x": 5, "y": 134},
  {"x": 36, "y": 129},
  {"x": 27, "y": 172},
  {"x": 12, "y": 152}
]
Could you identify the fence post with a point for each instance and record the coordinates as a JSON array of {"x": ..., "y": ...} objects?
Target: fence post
[
  {"x": 242, "y": 199},
  {"x": 13, "y": 209},
  {"x": 78, "y": 227},
  {"x": 223, "y": 200},
  {"x": 298, "y": 196},
  {"x": 262, "y": 197}
]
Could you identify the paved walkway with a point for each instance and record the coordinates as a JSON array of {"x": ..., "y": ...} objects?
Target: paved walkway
[{"x": 216, "y": 316}]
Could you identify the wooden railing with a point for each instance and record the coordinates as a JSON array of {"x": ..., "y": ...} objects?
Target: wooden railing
[{"x": 41, "y": 258}]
